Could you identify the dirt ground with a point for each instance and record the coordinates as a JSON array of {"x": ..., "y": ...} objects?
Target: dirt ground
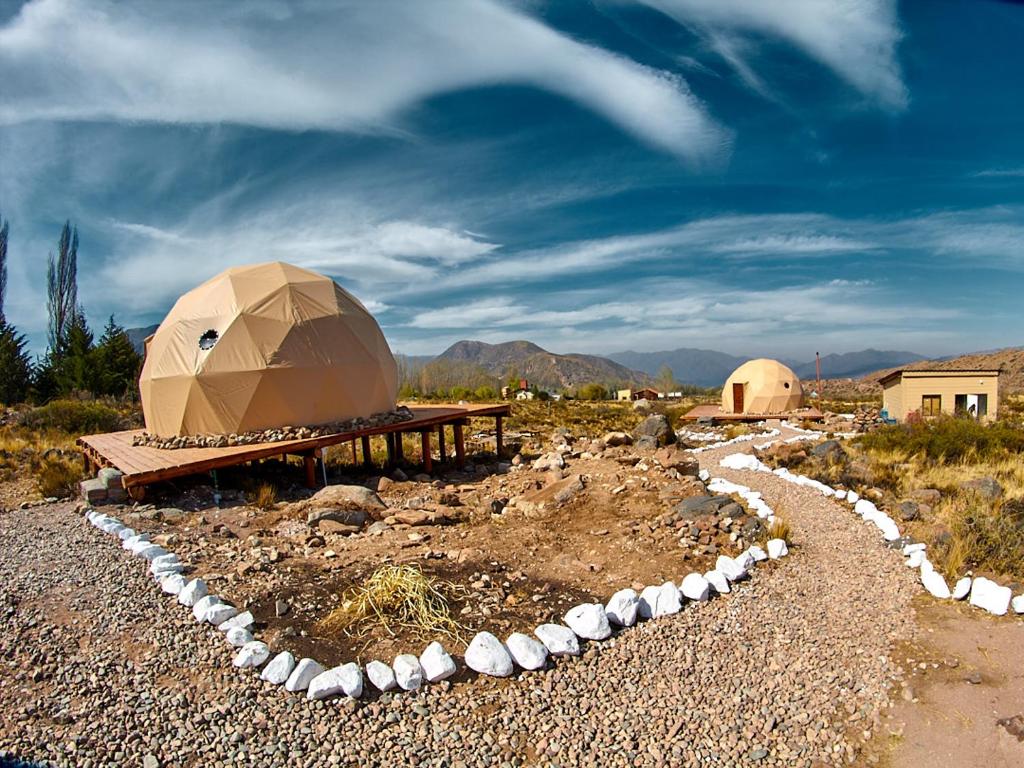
[
  {"x": 962, "y": 702},
  {"x": 506, "y": 571}
]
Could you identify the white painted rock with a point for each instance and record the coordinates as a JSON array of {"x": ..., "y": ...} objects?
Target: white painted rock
[
  {"x": 238, "y": 636},
  {"x": 962, "y": 588},
  {"x": 172, "y": 584},
  {"x": 670, "y": 600},
  {"x": 192, "y": 592},
  {"x": 300, "y": 677},
  {"x": 381, "y": 675},
  {"x": 648, "y": 602},
  {"x": 218, "y": 614},
  {"x": 622, "y": 608},
  {"x": 488, "y": 656},
  {"x": 351, "y": 679},
  {"x": 437, "y": 664},
  {"x": 558, "y": 639},
  {"x": 347, "y": 679},
  {"x": 408, "y": 672},
  {"x": 864, "y": 507},
  {"x": 777, "y": 548},
  {"x": 126, "y": 533},
  {"x": 935, "y": 584},
  {"x": 1018, "y": 604},
  {"x": 695, "y": 587},
  {"x": 588, "y": 621},
  {"x": 166, "y": 570},
  {"x": 527, "y": 652},
  {"x": 241, "y": 620},
  {"x": 704, "y": 475},
  {"x": 912, "y": 548},
  {"x": 138, "y": 541},
  {"x": 990, "y": 596},
  {"x": 204, "y": 604},
  {"x": 757, "y": 553},
  {"x": 852, "y": 497},
  {"x": 252, "y": 654},
  {"x": 744, "y": 560},
  {"x": 839, "y": 493},
  {"x": 915, "y": 559},
  {"x": 717, "y": 581},
  {"x": 279, "y": 668},
  {"x": 150, "y": 551},
  {"x": 730, "y": 568}
]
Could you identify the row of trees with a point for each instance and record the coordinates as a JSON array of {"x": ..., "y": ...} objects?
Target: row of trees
[{"x": 74, "y": 363}]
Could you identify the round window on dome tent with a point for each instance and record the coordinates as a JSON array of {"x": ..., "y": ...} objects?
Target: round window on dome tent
[{"x": 208, "y": 339}]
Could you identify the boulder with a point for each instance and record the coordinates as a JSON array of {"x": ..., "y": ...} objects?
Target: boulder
[
  {"x": 238, "y": 636},
  {"x": 436, "y": 663},
  {"x": 909, "y": 510},
  {"x": 408, "y": 672},
  {"x": 830, "y": 450},
  {"x": 319, "y": 516},
  {"x": 218, "y": 614},
  {"x": 252, "y": 654},
  {"x": 732, "y": 570},
  {"x": 643, "y": 404},
  {"x": 612, "y": 439},
  {"x": 93, "y": 491},
  {"x": 347, "y": 679},
  {"x": 192, "y": 592},
  {"x": 381, "y": 675},
  {"x": 986, "y": 487},
  {"x": 279, "y": 668},
  {"x": 110, "y": 477},
  {"x": 670, "y": 600},
  {"x": 930, "y": 496},
  {"x": 674, "y": 457},
  {"x": 526, "y": 652},
  {"x": 647, "y": 605},
  {"x": 935, "y": 584},
  {"x": 488, "y": 656},
  {"x": 241, "y": 620},
  {"x": 588, "y": 621},
  {"x": 777, "y": 548},
  {"x": 718, "y": 582},
  {"x": 202, "y": 605},
  {"x": 172, "y": 584},
  {"x": 988, "y": 595},
  {"x": 656, "y": 425},
  {"x": 695, "y": 587},
  {"x": 565, "y": 490},
  {"x": 962, "y": 588},
  {"x": 548, "y": 462},
  {"x": 304, "y": 672},
  {"x": 558, "y": 639},
  {"x": 334, "y": 501},
  {"x": 622, "y": 607}
]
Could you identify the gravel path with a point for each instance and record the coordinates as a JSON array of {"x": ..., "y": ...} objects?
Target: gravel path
[{"x": 96, "y": 668}]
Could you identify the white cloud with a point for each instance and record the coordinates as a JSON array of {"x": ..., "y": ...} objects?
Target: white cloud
[
  {"x": 1001, "y": 173},
  {"x": 352, "y": 67},
  {"x": 857, "y": 39}
]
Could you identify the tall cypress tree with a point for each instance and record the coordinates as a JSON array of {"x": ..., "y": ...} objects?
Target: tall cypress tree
[
  {"x": 62, "y": 289},
  {"x": 5, "y": 229},
  {"x": 76, "y": 369},
  {"x": 15, "y": 365}
]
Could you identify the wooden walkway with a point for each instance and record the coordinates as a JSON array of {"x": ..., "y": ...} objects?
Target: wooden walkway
[
  {"x": 715, "y": 412},
  {"x": 142, "y": 465}
]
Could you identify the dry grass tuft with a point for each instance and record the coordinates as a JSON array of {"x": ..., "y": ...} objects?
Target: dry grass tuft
[
  {"x": 779, "y": 529},
  {"x": 397, "y": 597},
  {"x": 265, "y": 497},
  {"x": 57, "y": 477}
]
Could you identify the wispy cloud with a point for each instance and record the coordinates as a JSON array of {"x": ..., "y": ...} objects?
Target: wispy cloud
[
  {"x": 857, "y": 39},
  {"x": 1001, "y": 173},
  {"x": 344, "y": 66}
]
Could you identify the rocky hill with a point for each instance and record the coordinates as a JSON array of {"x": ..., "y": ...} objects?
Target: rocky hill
[
  {"x": 540, "y": 367},
  {"x": 701, "y": 367},
  {"x": 856, "y": 364}
]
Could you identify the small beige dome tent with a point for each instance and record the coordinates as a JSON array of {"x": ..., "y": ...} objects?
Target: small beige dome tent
[
  {"x": 762, "y": 386},
  {"x": 263, "y": 346}
]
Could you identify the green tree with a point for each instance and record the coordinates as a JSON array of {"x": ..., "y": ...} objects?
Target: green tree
[
  {"x": 116, "y": 362},
  {"x": 592, "y": 392},
  {"x": 666, "y": 381},
  {"x": 15, "y": 365},
  {"x": 75, "y": 367},
  {"x": 62, "y": 289},
  {"x": 5, "y": 229}
]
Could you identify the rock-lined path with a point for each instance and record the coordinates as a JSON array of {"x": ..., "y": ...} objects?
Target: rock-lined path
[{"x": 97, "y": 668}]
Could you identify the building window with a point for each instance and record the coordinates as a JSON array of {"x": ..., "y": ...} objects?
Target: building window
[{"x": 931, "y": 405}]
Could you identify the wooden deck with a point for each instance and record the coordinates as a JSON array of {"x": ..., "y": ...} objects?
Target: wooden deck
[
  {"x": 142, "y": 465},
  {"x": 715, "y": 412}
]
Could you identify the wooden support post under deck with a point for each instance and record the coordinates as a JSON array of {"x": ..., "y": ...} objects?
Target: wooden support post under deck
[
  {"x": 389, "y": 438},
  {"x": 441, "y": 448},
  {"x": 460, "y": 445},
  {"x": 497, "y": 436},
  {"x": 355, "y": 458},
  {"x": 399, "y": 448},
  {"x": 309, "y": 460},
  {"x": 428, "y": 464},
  {"x": 367, "y": 457}
]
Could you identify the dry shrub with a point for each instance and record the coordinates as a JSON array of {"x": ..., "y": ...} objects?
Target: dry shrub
[
  {"x": 265, "y": 497},
  {"x": 57, "y": 477},
  {"x": 779, "y": 529},
  {"x": 76, "y": 417},
  {"x": 981, "y": 534},
  {"x": 396, "y": 597}
]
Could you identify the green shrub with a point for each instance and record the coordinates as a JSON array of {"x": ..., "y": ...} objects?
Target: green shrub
[
  {"x": 947, "y": 440},
  {"x": 78, "y": 417}
]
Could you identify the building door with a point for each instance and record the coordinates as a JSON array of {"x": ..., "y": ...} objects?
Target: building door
[{"x": 737, "y": 398}]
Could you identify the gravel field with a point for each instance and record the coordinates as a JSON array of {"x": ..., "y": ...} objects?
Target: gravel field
[{"x": 792, "y": 669}]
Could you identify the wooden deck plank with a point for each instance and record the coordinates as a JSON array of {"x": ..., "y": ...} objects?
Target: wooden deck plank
[{"x": 142, "y": 465}]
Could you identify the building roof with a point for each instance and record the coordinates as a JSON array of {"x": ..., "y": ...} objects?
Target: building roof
[{"x": 921, "y": 373}]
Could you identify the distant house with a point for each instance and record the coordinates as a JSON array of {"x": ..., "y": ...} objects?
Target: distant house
[
  {"x": 965, "y": 392},
  {"x": 524, "y": 394},
  {"x": 625, "y": 395}
]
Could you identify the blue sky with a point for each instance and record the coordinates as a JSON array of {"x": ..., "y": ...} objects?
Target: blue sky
[{"x": 760, "y": 178}]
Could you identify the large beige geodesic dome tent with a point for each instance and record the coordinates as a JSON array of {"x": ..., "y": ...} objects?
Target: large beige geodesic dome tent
[
  {"x": 264, "y": 346},
  {"x": 762, "y": 386}
]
